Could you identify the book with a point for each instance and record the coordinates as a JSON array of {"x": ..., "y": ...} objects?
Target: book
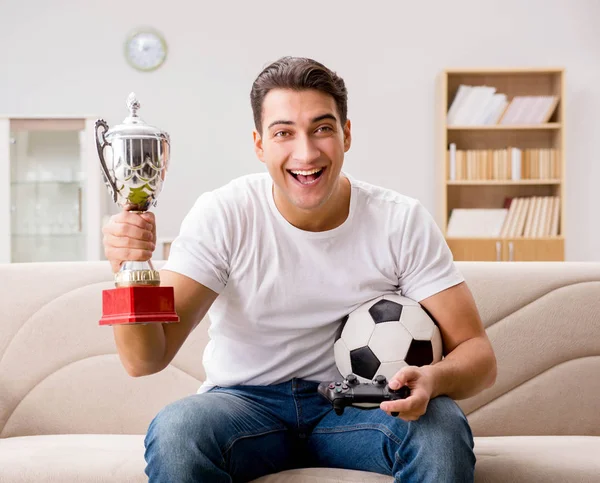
[{"x": 476, "y": 222}]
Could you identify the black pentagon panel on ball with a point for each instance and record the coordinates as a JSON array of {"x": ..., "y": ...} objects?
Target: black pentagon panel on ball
[
  {"x": 385, "y": 311},
  {"x": 364, "y": 363},
  {"x": 338, "y": 333},
  {"x": 420, "y": 353}
]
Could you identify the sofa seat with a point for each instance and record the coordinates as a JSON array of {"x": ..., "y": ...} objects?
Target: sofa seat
[
  {"x": 500, "y": 459},
  {"x": 537, "y": 459},
  {"x": 86, "y": 458},
  {"x": 71, "y": 458}
]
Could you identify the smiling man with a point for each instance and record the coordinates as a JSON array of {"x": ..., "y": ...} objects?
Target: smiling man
[{"x": 278, "y": 259}]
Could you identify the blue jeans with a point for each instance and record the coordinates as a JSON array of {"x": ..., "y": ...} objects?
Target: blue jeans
[{"x": 240, "y": 433}]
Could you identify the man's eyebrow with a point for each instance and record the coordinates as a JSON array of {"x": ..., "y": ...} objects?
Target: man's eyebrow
[
  {"x": 291, "y": 123},
  {"x": 274, "y": 123},
  {"x": 323, "y": 117}
]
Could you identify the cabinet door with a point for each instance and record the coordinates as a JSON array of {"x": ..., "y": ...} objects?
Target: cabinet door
[
  {"x": 5, "y": 239},
  {"x": 474, "y": 249},
  {"x": 528, "y": 250},
  {"x": 54, "y": 190},
  {"x": 46, "y": 191}
]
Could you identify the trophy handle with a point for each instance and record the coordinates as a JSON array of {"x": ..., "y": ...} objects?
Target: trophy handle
[{"x": 101, "y": 143}]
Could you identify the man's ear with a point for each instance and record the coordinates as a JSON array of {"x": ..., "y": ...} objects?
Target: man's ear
[
  {"x": 347, "y": 135},
  {"x": 258, "y": 147}
]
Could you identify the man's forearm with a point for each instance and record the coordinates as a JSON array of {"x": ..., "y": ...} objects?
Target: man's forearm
[
  {"x": 141, "y": 347},
  {"x": 466, "y": 371}
]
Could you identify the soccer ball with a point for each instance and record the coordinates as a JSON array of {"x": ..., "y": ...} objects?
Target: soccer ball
[{"x": 385, "y": 334}]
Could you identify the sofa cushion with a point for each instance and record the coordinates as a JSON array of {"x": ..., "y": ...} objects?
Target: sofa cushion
[
  {"x": 120, "y": 458},
  {"x": 325, "y": 475},
  {"x": 82, "y": 458},
  {"x": 531, "y": 459},
  {"x": 537, "y": 459}
]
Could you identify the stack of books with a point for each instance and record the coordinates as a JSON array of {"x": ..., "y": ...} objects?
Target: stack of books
[
  {"x": 528, "y": 217},
  {"x": 503, "y": 164},
  {"x": 482, "y": 105}
]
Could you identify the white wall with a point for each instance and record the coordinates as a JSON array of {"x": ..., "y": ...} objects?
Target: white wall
[{"x": 66, "y": 57}]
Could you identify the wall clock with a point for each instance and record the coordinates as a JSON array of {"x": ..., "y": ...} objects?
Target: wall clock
[{"x": 145, "y": 49}]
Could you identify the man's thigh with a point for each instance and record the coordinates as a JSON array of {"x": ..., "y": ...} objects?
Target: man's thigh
[
  {"x": 371, "y": 440},
  {"x": 233, "y": 431},
  {"x": 359, "y": 439},
  {"x": 254, "y": 440}
]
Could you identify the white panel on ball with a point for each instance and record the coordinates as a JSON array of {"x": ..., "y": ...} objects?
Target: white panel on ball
[
  {"x": 418, "y": 323},
  {"x": 389, "y": 369},
  {"x": 342, "y": 358},
  {"x": 390, "y": 341},
  {"x": 358, "y": 329}
]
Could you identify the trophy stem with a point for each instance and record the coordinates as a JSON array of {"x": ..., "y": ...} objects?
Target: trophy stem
[{"x": 137, "y": 273}]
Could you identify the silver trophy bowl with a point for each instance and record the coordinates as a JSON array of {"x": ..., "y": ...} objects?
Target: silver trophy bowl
[{"x": 134, "y": 158}]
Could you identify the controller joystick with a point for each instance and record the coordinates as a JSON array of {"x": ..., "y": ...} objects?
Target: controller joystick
[
  {"x": 380, "y": 380},
  {"x": 351, "y": 392},
  {"x": 402, "y": 393}
]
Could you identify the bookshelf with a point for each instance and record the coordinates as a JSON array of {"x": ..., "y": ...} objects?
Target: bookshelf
[{"x": 502, "y": 156}]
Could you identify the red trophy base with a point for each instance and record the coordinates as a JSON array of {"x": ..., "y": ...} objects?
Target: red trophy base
[{"x": 140, "y": 304}]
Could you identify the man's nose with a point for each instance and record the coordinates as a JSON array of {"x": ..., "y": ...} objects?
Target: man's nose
[{"x": 305, "y": 150}]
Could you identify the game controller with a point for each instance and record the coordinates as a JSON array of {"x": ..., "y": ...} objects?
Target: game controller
[{"x": 351, "y": 392}]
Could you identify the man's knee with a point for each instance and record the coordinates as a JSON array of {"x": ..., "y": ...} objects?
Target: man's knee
[
  {"x": 191, "y": 422},
  {"x": 446, "y": 418},
  {"x": 445, "y": 432},
  {"x": 438, "y": 446}
]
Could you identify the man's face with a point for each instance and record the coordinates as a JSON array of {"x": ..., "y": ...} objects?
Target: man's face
[{"x": 303, "y": 145}]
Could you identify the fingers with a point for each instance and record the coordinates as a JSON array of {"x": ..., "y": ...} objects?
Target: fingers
[
  {"x": 144, "y": 222},
  {"x": 403, "y": 377},
  {"x": 132, "y": 226},
  {"x": 129, "y": 236},
  {"x": 414, "y": 406},
  {"x": 149, "y": 217},
  {"x": 119, "y": 249},
  {"x": 403, "y": 406},
  {"x": 409, "y": 409},
  {"x": 129, "y": 231},
  {"x": 118, "y": 255},
  {"x": 128, "y": 242}
]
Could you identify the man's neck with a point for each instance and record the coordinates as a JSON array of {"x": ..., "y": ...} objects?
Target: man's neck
[{"x": 327, "y": 217}]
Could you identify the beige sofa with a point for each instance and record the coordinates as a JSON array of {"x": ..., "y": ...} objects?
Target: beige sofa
[{"x": 70, "y": 413}]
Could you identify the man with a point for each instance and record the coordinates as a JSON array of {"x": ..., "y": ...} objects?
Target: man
[{"x": 280, "y": 258}]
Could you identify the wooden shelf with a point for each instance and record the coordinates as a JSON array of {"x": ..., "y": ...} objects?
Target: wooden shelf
[
  {"x": 507, "y": 127},
  {"x": 504, "y": 70},
  {"x": 516, "y": 249},
  {"x": 494, "y": 193},
  {"x": 486, "y": 238},
  {"x": 500, "y": 182}
]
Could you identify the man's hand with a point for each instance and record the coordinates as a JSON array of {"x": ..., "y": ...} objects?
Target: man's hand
[
  {"x": 129, "y": 236},
  {"x": 421, "y": 383}
]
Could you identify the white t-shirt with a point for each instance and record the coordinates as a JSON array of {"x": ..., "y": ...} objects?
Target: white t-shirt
[{"x": 283, "y": 291}]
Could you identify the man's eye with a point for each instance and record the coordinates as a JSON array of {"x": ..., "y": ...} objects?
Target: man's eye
[
  {"x": 324, "y": 129},
  {"x": 281, "y": 134}
]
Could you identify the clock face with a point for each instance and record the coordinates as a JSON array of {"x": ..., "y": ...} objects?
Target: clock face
[{"x": 145, "y": 50}]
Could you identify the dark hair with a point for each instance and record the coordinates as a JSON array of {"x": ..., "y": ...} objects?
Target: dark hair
[{"x": 297, "y": 73}]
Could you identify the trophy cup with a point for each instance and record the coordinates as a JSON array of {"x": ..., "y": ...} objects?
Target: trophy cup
[{"x": 134, "y": 158}]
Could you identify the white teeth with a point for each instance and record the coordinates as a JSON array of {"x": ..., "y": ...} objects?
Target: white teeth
[{"x": 306, "y": 173}]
